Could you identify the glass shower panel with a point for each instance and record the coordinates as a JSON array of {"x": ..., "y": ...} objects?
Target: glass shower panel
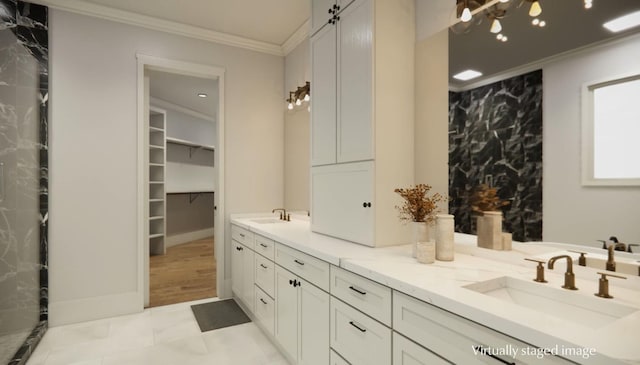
[{"x": 23, "y": 177}]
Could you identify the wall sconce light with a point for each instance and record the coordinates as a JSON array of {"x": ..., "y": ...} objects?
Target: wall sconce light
[{"x": 302, "y": 94}]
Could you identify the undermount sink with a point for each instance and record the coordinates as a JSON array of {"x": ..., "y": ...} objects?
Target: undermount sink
[
  {"x": 267, "y": 220},
  {"x": 588, "y": 311}
]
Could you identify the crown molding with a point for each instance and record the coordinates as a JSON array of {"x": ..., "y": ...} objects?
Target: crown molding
[
  {"x": 297, "y": 37},
  {"x": 178, "y": 108},
  {"x": 127, "y": 17}
]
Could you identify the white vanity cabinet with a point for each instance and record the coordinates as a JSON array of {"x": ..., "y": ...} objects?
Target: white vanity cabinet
[
  {"x": 301, "y": 319},
  {"x": 242, "y": 273},
  {"x": 242, "y": 265},
  {"x": 407, "y": 352},
  {"x": 362, "y": 111}
]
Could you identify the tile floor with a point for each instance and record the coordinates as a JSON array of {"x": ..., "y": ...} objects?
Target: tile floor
[{"x": 161, "y": 335}]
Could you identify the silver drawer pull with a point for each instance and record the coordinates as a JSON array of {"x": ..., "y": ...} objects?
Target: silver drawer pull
[
  {"x": 263, "y": 245},
  {"x": 358, "y": 291},
  {"x": 299, "y": 262},
  {"x": 358, "y": 327},
  {"x": 262, "y": 266},
  {"x": 262, "y": 300}
]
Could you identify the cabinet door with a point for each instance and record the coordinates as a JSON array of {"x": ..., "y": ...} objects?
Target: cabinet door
[
  {"x": 320, "y": 13},
  {"x": 342, "y": 201},
  {"x": 286, "y": 328},
  {"x": 406, "y": 352},
  {"x": 313, "y": 318},
  {"x": 323, "y": 102},
  {"x": 248, "y": 278},
  {"x": 355, "y": 82},
  {"x": 237, "y": 270}
]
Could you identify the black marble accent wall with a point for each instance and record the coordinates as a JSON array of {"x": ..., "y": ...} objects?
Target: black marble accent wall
[
  {"x": 495, "y": 137},
  {"x": 24, "y": 95}
]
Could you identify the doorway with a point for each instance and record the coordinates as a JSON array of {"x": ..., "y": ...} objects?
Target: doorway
[{"x": 181, "y": 170}]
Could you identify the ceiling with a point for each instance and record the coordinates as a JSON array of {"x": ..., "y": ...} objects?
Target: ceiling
[
  {"x": 270, "y": 21},
  {"x": 183, "y": 91},
  {"x": 569, "y": 26}
]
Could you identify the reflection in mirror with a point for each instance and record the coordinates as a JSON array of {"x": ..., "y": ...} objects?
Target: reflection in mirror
[{"x": 526, "y": 105}]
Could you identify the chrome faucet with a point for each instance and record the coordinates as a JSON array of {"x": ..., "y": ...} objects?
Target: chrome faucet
[
  {"x": 569, "y": 277},
  {"x": 611, "y": 264},
  {"x": 283, "y": 213}
]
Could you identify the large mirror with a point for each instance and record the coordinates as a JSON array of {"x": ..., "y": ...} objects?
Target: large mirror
[{"x": 517, "y": 126}]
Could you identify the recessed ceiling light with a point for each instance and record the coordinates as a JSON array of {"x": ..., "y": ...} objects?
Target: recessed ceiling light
[
  {"x": 467, "y": 75},
  {"x": 202, "y": 95},
  {"x": 624, "y": 22}
]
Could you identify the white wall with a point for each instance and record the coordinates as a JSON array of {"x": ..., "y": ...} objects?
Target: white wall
[
  {"x": 297, "y": 134},
  {"x": 92, "y": 241},
  {"x": 571, "y": 212},
  {"x": 190, "y": 128}
]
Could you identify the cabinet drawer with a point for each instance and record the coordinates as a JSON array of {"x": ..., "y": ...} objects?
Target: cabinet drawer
[
  {"x": 264, "y": 310},
  {"x": 367, "y": 296},
  {"x": 264, "y": 274},
  {"x": 242, "y": 235},
  {"x": 453, "y": 337},
  {"x": 337, "y": 360},
  {"x": 406, "y": 352},
  {"x": 308, "y": 267},
  {"x": 264, "y": 247},
  {"x": 357, "y": 338}
]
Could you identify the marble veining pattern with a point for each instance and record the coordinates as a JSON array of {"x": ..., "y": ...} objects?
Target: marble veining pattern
[
  {"x": 495, "y": 137},
  {"x": 24, "y": 96}
]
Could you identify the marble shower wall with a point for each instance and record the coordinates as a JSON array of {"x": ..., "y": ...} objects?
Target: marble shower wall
[
  {"x": 24, "y": 94},
  {"x": 495, "y": 137}
]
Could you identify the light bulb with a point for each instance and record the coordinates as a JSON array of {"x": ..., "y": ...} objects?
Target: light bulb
[
  {"x": 504, "y": 1},
  {"x": 542, "y": 23},
  {"x": 499, "y": 36},
  {"x": 504, "y": 38},
  {"x": 535, "y": 21},
  {"x": 298, "y": 102},
  {"x": 290, "y": 106},
  {"x": 535, "y": 9},
  {"x": 496, "y": 27},
  {"x": 588, "y": 4},
  {"x": 307, "y": 97},
  {"x": 466, "y": 15}
]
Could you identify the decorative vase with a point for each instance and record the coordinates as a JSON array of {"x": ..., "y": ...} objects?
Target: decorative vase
[
  {"x": 490, "y": 230},
  {"x": 426, "y": 252},
  {"x": 419, "y": 233},
  {"x": 444, "y": 237}
]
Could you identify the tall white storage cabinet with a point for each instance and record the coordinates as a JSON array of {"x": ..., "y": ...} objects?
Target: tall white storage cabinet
[{"x": 362, "y": 119}]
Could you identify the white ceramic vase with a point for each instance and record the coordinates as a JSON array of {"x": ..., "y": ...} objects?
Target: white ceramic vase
[
  {"x": 420, "y": 232},
  {"x": 444, "y": 237},
  {"x": 426, "y": 252}
]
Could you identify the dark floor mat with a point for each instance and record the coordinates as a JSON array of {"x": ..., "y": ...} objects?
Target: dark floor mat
[{"x": 220, "y": 314}]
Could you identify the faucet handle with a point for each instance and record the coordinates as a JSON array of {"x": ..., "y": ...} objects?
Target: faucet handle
[
  {"x": 603, "y": 285},
  {"x": 539, "y": 270},
  {"x": 582, "y": 261}
]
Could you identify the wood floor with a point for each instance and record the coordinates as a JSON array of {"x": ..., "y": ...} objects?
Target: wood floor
[{"x": 186, "y": 272}]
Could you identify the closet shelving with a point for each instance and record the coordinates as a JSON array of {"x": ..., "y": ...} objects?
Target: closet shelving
[
  {"x": 189, "y": 176},
  {"x": 156, "y": 181}
]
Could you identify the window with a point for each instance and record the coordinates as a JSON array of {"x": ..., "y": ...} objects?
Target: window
[{"x": 611, "y": 132}]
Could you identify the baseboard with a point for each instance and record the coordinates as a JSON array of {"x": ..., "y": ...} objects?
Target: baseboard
[
  {"x": 177, "y": 239},
  {"x": 88, "y": 309}
]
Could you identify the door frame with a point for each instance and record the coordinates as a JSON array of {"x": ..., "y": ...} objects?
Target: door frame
[{"x": 147, "y": 62}]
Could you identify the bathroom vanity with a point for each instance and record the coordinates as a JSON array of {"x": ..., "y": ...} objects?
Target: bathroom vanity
[{"x": 324, "y": 300}]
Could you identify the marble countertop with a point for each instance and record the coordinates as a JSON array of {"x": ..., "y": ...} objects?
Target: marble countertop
[{"x": 443, "y": 284}]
